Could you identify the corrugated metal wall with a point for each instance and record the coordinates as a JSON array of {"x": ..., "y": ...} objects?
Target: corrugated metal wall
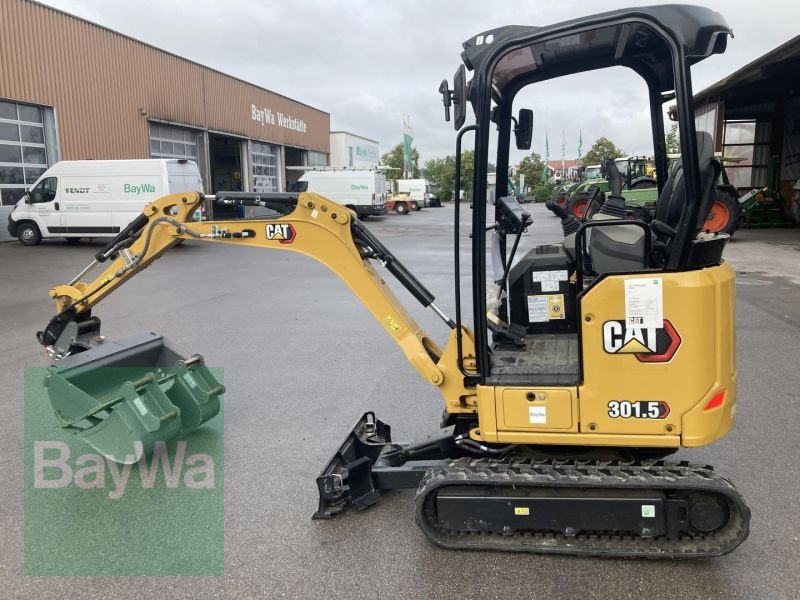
[{"x": 100, "y": 81}]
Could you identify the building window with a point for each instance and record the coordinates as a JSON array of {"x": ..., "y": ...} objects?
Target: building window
[
  {"x": 23, "y": 152},
  {"x": 265, "y": 167},
  {"x": 316, "y": 159},
  {"x": 748, "y": 143},
  {"x": 172, "y": 142}
]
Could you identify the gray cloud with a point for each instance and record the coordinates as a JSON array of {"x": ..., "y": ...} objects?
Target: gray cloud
[{"x": 369, "y": 62}]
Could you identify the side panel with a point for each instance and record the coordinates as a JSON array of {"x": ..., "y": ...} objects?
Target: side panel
[
  {"x": 348, "y": 189},
  {"x": 183, "y": 178},
  {"x": 658, "y": 382}
]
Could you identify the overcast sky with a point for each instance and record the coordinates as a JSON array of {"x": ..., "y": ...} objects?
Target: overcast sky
[{"x": 368, "y": 62}]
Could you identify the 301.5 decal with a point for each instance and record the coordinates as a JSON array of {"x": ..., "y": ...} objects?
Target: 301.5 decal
[{"x": 641, "y": 409}]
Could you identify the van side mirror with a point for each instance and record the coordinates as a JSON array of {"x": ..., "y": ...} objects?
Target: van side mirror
[{"x": 523, "y": 132}]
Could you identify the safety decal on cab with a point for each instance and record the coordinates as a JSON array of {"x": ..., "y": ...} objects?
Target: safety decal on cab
[
  {"x": 283, "y": 232},
  {"x": 647, "y": 344},
  {"x": 640, "y": 409}
]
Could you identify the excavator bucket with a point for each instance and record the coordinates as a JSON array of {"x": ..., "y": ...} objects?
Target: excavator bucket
[{"x": 123, "y": 397}]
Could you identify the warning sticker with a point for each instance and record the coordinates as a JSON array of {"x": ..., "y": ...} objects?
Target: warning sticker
[
  {"x": 140, "y": 405},
  {"x": 644, "y": 302},
  {"x": 648, "y": 511},
  {"x": 555, "y": 304},
  {"x": 542, "y": 309},
  {"x": 537, "y": 415},
  {"x": 538, "y": 309},
  {"x": 392, "y": 324},
  {"x": 522, "y": 511},
  {"x": 190, "y": 380},
  {"x": 549, "y": 280}
]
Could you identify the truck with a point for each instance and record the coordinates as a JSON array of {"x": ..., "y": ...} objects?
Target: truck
[
  {"x": 77, "y": 199},
  {"x": 421, "y": 191},
  {"x": 360, "y": 190}
]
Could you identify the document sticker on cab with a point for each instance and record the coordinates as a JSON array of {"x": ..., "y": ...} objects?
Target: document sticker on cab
[
  {"x": 648, "y": 511},
  {"x": 644, "y": 302}
]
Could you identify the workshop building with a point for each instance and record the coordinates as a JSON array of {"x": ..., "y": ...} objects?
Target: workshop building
[
  {"x": 753, "y": 115},
  {"x": 83, "y": 91}
]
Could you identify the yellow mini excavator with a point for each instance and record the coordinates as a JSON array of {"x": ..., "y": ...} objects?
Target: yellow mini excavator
[{"x": 585, "y": 362}]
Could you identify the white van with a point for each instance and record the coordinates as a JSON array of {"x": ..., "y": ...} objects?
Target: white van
[
  {"x": 75, "y": 199},
  {"x": 420, "y": 191},
  {"x": 362, "y": 190}
]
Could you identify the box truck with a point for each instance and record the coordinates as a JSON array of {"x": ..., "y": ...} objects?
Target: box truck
[
  {"x": 76, "y": 199},
  {"x": 361, "y": 190},
  {"x": 421, "y": 191}
]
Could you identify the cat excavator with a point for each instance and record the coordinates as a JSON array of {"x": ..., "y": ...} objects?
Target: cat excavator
[{"x": 584, "y": 364}]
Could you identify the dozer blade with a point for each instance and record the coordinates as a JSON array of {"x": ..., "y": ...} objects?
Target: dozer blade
[
  {"x": 123, "y": 397},
  {"x": 347, "y": 478},
  {"x": 368, "y": 462}
]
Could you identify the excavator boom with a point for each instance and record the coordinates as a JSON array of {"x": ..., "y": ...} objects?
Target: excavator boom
[{"x": 306, "y": 223}]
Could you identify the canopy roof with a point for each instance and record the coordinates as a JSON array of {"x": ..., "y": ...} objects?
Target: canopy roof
[{"x": 637, "y": 38}]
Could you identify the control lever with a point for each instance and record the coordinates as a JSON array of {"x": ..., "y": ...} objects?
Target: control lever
[{"x": 525, "y": 216}]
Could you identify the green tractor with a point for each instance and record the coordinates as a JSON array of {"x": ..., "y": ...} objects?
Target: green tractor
[
  {"x": 640, "y": 191},
  {"x": 633, "y": 169},
  {"x": 566, "y": 191}
]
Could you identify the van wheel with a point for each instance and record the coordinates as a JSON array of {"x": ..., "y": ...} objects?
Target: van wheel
[
  {"x": 28, "y": 234},
  {"x": 400, "y": 208},
  {"x": 415, "y": 205}
]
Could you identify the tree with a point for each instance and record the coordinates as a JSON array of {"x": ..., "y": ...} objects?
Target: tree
[
  {"x": 531, "y": 166},
  {"x": 673, "y": 140},
  {"x": 601, "y": 151},
  {"x": 442, "y": 173},
  {"x": 394, "y": 158}
]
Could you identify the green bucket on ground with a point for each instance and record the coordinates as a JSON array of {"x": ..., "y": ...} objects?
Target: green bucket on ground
[{"x": 122, "y": 397}]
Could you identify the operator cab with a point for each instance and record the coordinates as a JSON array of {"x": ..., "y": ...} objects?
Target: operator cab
[{"x": 528, "y": 312}]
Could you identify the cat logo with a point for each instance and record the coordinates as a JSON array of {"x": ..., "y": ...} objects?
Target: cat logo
[
  {"x": 648, "y": 344},
  {"x": 283, "y": 232}
]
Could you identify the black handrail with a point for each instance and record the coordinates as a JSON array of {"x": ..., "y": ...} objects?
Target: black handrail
[{"x": 456, "y": 246}]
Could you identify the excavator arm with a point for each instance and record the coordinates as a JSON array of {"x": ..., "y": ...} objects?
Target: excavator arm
[{"x": 306, "y": 223}]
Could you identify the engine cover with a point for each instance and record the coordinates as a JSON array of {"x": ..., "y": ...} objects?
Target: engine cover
[{"x": 541, "y": 294}]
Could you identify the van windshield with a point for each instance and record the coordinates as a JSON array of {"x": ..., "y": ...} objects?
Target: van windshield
[{"x": 299, "y": 186}]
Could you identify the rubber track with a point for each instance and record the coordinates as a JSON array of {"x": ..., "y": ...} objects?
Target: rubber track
[{"x": 654, "y": 475}]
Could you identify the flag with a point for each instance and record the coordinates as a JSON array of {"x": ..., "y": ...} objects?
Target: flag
[
  {"x": 408, "y": 137},
  {"x": 580, "y": 144},
  {"x": 546, "y": 158}
]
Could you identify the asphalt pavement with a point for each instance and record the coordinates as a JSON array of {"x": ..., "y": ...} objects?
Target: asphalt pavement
[{"x": 303, "y": 360}]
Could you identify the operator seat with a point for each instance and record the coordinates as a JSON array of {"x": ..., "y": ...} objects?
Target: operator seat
[
  {"x": 621, "y": 249},
  {"x": 617, "y": 248},
  {"x": 672, "y": 199}
]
